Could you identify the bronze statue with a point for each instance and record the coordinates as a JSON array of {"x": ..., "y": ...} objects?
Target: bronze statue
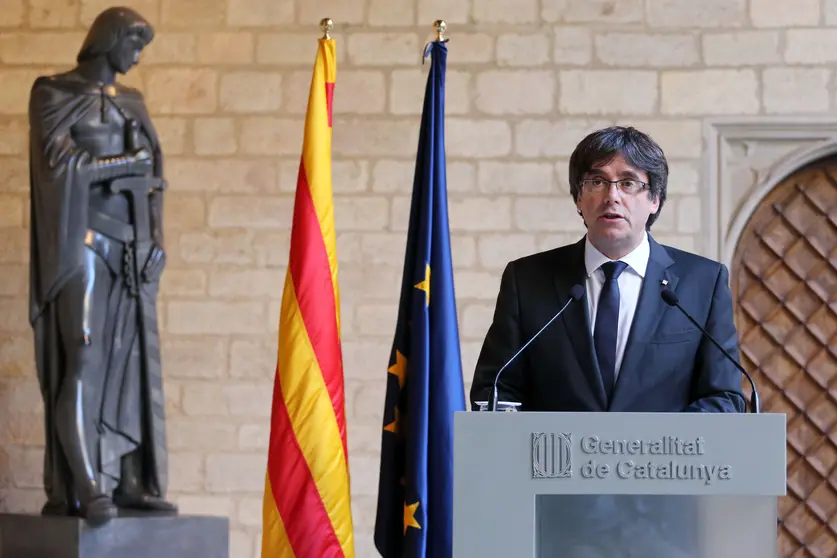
[{"x": 97, "y": 255}]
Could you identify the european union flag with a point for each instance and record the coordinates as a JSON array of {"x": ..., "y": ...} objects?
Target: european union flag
[{"x": 424, "y": 383}]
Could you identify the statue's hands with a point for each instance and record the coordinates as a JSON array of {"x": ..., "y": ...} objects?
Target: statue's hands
[
  {"x": 140, "y": 161},
  {"x": 137, "y": 162}
]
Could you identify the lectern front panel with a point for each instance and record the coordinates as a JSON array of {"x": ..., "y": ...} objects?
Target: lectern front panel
[
  {"x": 653, "y": 526},
  {"x": 534, "y": 485}
]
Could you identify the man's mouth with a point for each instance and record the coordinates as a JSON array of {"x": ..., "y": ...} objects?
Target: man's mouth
[{"x": 610, "y": 217}]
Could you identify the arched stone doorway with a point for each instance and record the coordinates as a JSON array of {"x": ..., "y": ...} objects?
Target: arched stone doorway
[{"x": 784, "y": 282}]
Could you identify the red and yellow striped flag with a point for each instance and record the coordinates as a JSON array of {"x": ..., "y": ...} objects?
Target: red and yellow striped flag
[{"x": 307, "y": 508}]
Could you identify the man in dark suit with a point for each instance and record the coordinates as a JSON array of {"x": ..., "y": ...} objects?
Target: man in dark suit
[{"x": 620, "y": 347}]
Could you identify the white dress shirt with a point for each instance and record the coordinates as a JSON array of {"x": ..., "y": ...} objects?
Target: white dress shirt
[{"x": 630, "y": 283}]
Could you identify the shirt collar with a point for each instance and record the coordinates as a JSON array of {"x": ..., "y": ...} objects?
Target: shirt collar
[{"x": 636, "y": 260}]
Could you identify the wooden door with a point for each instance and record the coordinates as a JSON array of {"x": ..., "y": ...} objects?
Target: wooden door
[{"x": 784, "y": 281}]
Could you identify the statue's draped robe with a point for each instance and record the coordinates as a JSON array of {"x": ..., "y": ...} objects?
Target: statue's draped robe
[{"x": 59, "y": 188}]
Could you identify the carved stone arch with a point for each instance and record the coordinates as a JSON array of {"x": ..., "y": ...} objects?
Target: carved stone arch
[
  {"x": 780, "y": 171},
  {"x": 783, "y": 266}
]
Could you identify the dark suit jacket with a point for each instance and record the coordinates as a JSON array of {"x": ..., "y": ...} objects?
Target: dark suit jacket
[{"x": 668, "y": 365}]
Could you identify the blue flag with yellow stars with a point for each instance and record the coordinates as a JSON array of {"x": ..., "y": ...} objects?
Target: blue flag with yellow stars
[{"x": 424, "y": 379}]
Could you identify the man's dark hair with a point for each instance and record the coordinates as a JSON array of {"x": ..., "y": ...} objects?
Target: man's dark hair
[
  {"x": 110, "y": 27},
  {"x": 638, "y": 150}
]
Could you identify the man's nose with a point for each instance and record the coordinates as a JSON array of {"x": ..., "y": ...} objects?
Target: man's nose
[{"x": 612, "y": 193}]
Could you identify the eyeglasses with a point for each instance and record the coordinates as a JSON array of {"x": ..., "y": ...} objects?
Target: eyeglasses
[{"x": 599, "y": 185}]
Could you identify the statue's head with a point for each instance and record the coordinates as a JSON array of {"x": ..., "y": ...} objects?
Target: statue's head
[{"x": 118, "y": 34}]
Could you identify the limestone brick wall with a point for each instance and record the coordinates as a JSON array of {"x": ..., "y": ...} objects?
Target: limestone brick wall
[{"x": 226, "y": 81}]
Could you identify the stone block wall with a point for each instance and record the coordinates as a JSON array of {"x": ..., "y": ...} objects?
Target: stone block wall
[{"x": 227, "y": 83}]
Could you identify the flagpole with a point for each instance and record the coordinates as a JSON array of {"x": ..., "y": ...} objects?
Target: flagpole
[
  {"x": 424, "y": 380},
  {"x": 306, "y": 507}
]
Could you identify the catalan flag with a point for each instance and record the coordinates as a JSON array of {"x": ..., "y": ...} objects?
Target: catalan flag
[
  {"x": 424, "y": 375},
  {"x": 307, "y": 509}
]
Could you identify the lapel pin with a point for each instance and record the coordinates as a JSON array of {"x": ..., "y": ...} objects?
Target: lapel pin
[{"x": 665, "y": 282}]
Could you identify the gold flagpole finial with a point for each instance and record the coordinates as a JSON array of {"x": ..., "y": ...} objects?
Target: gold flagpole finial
[
  {"x": 326, "y": 24},
  {"x": 440, "y": 27}
]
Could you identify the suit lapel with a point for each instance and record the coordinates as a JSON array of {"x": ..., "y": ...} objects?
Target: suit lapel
[
  {"x": 649, "y": 312},
  {"x": 577, "y": 319}
]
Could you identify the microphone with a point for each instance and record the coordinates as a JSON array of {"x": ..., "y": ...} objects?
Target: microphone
[
  {"x": 576, "y": 292},
  {"x": 671, "y": 299}
]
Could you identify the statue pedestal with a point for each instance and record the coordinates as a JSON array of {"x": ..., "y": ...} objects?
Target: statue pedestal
[{"x": 162, "y": 536}]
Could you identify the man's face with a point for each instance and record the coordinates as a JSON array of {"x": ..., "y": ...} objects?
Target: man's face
[
  {"x": 126, "y": 53},
  {"x": 615, "y": 215}
]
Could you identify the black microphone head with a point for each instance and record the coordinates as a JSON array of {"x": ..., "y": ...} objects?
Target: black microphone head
[
  {"x": 669, "y": 297},
  {"x": 577, "y": 292}
]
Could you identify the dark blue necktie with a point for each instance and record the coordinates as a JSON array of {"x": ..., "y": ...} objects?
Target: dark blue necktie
[{"x": 607, "y": 323}]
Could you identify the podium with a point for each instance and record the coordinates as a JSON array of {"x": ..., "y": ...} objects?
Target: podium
[{"x": 617, "y": 485}]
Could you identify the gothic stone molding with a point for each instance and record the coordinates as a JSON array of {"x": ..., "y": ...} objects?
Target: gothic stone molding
[{"x": 746, "y": 158}]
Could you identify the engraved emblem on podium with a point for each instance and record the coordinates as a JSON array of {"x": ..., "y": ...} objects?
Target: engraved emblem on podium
[{"x": 551, "y": 455}]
